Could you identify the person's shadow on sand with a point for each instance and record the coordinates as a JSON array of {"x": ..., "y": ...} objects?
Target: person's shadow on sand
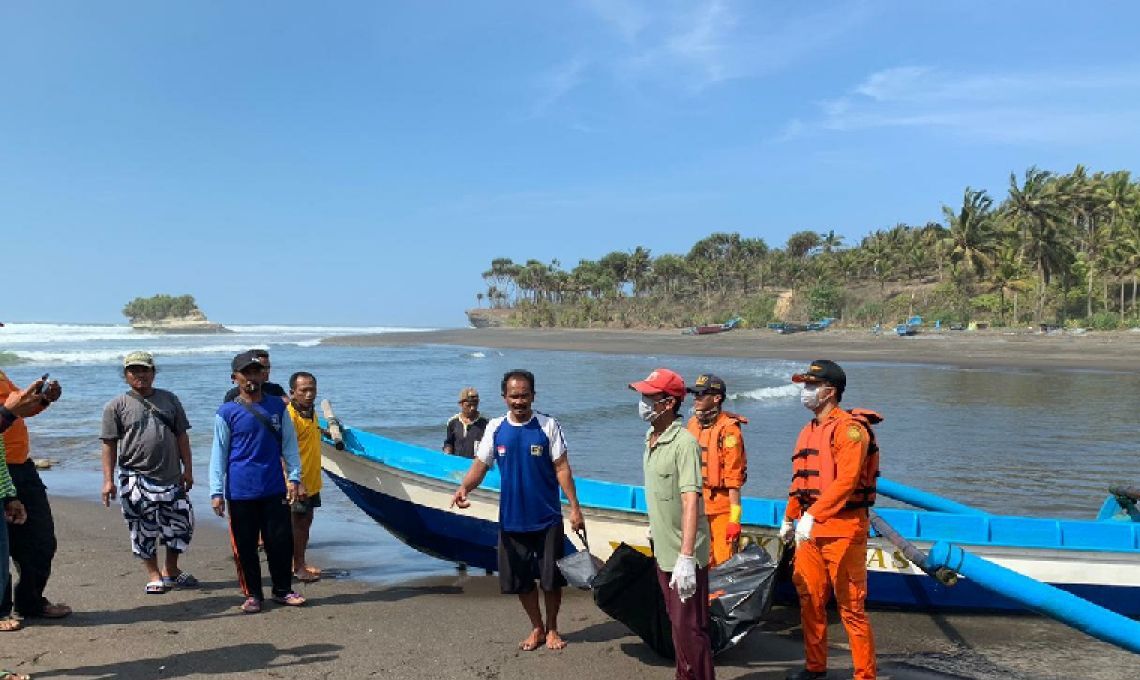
[
  {"x": 220, "y": 662},
  {"x": 204, "y": 606}
]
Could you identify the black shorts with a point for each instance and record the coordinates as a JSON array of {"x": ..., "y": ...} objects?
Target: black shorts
[{"x": 527, "y": 556}]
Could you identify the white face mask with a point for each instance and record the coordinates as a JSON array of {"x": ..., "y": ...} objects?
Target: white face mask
[
  {"x": 809, "y": 397},
  {"x": 645, "y": 410}
]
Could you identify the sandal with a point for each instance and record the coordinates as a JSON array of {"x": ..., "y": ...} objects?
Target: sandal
[
  {"x": 8, "y": 626},
  {"x": 252, "y": 605},
  {"x": 183, "y": 580},
  {"x": 306, "y": 576},
  {"x": 155, "y": 588},
  {"x": 54, "y": 611},
  {"x": 289, "y": 599},
  {"x": 13, "y": 675}
]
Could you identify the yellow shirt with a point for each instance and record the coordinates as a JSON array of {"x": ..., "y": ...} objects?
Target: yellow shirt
[{"x": 309, "y": 443}]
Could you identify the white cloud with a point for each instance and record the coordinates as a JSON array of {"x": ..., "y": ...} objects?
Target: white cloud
[
  {"x": 559, "y": 82},
  {"x": 690, "y": 46},
  {"x": 624, "y": 17},
  {"x": 1034, "y": 107}
]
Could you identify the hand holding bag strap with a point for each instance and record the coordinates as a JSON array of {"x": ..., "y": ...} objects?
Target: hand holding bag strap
[
  {"x": 261, "y": 419},
  {"x": 582, "y": 537},
  {"x": 154, "y": 410}
]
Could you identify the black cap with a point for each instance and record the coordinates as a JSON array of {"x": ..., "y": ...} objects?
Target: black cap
[
  {"x": 822, "y": 370},
  {"x": 708, "y": 383},
  {"x": 244, "y": 361}
]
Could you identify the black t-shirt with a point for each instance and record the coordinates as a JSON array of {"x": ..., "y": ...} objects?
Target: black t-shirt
[
  {"x": 464, "y": 438},
  {"x": 269, "y": 389}
]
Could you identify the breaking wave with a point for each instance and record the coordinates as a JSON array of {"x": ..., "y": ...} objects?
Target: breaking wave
[{"x": 776, "y": 393}]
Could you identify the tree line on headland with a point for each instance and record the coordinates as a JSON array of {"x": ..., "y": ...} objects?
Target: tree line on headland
[
  {"x": 1057, "y": 248},
  {"x": 160, "y": 307}
]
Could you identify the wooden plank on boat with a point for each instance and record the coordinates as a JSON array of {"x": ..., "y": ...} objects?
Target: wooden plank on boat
[{"x": 335, "y": 432}]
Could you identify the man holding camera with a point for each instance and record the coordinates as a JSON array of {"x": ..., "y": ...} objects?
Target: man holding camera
[{"x": 31, "y": 544}]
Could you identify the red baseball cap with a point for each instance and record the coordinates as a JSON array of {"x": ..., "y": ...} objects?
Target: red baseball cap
[{"x": 661, "y": 381}]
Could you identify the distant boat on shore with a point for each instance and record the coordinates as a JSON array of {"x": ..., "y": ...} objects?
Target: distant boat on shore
[{"x": 712, "y": 328}]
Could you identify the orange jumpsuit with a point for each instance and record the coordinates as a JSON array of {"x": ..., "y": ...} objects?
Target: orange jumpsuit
[
  {"x": 724, "y": 467},
  {"x": 836, "y": 556}
]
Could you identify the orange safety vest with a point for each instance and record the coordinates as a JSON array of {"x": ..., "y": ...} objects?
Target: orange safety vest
[
  {"x": 711, "y": 440},
  {"x": 813, "y": 463}
]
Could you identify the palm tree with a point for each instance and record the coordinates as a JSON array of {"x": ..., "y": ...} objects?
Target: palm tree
[
  {"x": 753, "y": 253},
  {"x": 830, "y": 241},
  {"x": 879, "y": 258},
  {"x": 1034, "y": 209},
  {"x": 972, "y": 232},
  {"x": 637, "y": 267},
  {"x": 1006, "y": 269}
]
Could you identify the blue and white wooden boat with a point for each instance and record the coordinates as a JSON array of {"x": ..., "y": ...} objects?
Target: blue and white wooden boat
[{"x": 408, "y": 490}]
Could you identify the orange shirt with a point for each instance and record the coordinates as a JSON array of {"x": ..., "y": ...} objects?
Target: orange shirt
[
  {"x": 16, "y": 436},
  {"x": 849, "y": 445},
  {"x": 729, "y": 451}
]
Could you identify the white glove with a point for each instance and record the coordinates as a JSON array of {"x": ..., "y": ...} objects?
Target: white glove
[
  {"x": 803, "y": 527},
  {"x": 786, "y": 530},
  {"x": 684, "y": 579}
]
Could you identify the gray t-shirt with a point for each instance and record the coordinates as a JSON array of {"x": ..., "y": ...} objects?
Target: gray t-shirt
[{"x": 145, "y": 444}]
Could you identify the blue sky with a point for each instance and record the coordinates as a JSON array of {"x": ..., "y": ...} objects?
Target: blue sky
[{"x": 362, "y": 162}]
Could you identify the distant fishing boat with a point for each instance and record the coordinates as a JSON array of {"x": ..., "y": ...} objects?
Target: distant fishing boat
[
  {"x": 408, "y": 490},
  {"x": 709, "y": 329}
]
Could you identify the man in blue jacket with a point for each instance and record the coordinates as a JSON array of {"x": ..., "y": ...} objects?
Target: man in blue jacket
[{"x": 252, "y": 436}]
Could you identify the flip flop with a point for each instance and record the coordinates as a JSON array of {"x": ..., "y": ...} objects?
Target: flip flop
[
  {"x": 183, "y": 580},
  {"x": 55, "y": 611},
  {"x": 290, "y": 599},
  {"x": 8, "y": 626},
  {"x": 153, "y": 588},
  {"x": 306, "y": 576},
  {"x": 13, "y": 675}
]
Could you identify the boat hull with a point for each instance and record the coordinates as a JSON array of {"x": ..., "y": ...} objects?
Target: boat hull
[{"x": 415, "y": 509}]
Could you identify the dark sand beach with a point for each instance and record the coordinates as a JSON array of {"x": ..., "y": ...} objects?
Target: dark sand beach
[
  {"x": 455, "y": 627},
  {"x": 1114, "y": 351}
]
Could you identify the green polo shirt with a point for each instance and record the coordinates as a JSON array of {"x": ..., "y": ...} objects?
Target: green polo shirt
[{"x": 672, "y": 468}]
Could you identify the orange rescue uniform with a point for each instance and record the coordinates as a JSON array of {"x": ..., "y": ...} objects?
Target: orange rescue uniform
[
  {"x": 724, "y": 466},
  {"x": 16, "y": 442},
  {"x": 836, "y": 463}
]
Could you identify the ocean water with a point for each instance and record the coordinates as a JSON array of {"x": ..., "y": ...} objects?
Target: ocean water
[{"x": 1028, "y": 442}]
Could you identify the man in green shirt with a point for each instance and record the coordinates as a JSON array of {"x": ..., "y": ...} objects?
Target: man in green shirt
[{"x": 677, "y": 520}]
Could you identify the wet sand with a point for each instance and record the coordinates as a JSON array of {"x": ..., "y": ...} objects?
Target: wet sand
[
  {"x": 1115, "y": 351},
  {"x": 455, "y": 627}
]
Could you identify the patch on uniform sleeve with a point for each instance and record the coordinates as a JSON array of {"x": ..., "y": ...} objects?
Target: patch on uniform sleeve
[
  {"x": 730, "y": 441},
  {"x": 854, "y": 433}
]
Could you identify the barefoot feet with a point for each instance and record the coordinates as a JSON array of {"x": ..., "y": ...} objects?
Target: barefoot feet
[{"x": 533, "y": 641}]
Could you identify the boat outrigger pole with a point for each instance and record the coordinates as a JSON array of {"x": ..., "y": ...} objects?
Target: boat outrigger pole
[
  {"x": 941, "y": 574},
  {"x": 922, "y": 499},
  {"x": 1061, "y": 605}
]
